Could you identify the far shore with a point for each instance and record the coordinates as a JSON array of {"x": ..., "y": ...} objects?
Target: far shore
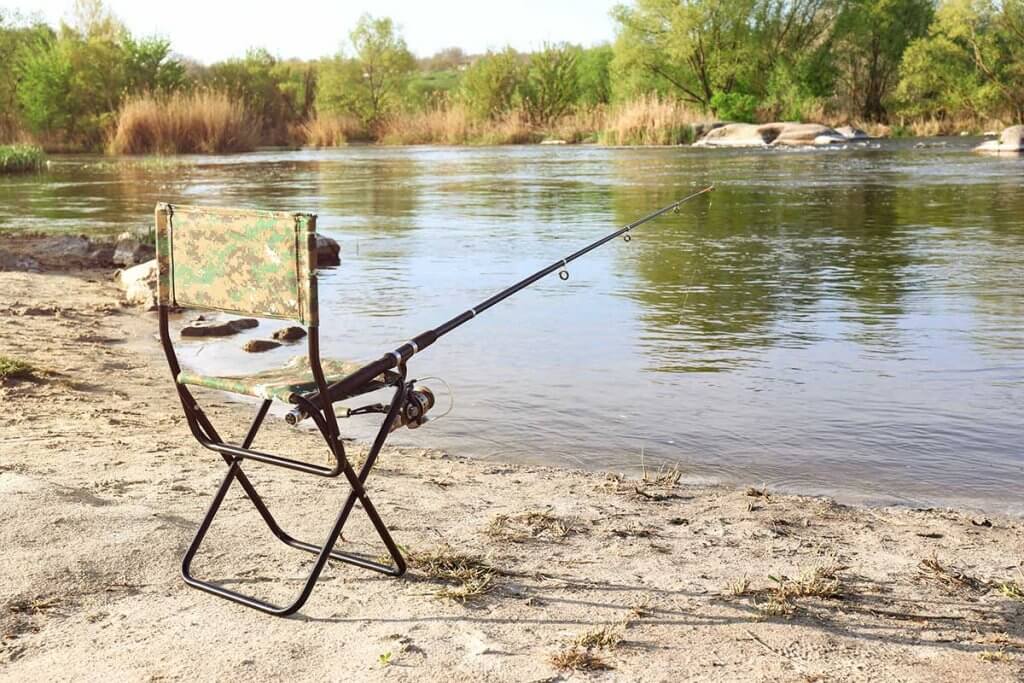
[{"x": 516, "y": 573}]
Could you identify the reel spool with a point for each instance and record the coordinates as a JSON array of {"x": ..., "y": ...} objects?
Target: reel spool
[{"x": 414, "y": 413}]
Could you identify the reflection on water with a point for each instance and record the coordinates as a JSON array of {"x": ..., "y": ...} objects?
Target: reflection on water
[{"x": 843, "y": 321}]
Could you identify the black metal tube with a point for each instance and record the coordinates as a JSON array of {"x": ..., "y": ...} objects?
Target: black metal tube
[{"x": 367, "y": 373}]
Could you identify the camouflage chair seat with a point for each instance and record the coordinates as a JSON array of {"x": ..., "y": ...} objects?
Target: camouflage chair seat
[
  {"x": 285, "y": 384},
  {"x": 263, "y": 264}
]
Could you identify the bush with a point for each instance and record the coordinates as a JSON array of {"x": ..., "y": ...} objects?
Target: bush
[
  {"x": 734, "y": 106},
  {"x": 20, "y": 158},
  {"x": 491, "y": 87},
  {"x": 202, "y": 121}
]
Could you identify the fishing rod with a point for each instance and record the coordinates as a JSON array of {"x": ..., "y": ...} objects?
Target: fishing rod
[{"x": 352, "y": 383}]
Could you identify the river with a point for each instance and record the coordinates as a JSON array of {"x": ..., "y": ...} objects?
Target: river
[{"x": 845, "y": 321}]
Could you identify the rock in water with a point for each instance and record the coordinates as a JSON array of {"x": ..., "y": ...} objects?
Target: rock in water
[
  {"x": 800, "y": 134},
  {"x": 139, "y": 284},
  {"x": 1011, "y": 141},
  {"x": 290, "y": 333},
  {"x": 733, "y": 135},
  {"x": 328, "y": 252},
  {"x": 218, "y": 328},
  {"x": 260, "y": 345},
  {"x": 852, "y": 133}
]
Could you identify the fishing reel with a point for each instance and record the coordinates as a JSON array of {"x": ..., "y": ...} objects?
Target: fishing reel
[
  {"x": 413, "y": 413},
  {"x": 419, "y": 400}
]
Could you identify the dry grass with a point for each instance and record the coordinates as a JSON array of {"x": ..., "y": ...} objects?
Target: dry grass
[
  {"x": 1012, "y": 590},
  {"x": 995, "y": 656},
  {"x": 604, "y": 638},
  {"x": 202, "y": 121},
  {"x": 33, "y": 605},
  {"x": 784, "y": 595},
  {"x": 583, "y": 125},
  {"x": 954, "y": 579},
  {"x": 651, "y": 120},
  {"x": 438, "y": 126},
  {"x": 330, "y": 130},
  {"x": 528, "y": 526},
  {"x": 573, "y": 658},
  {"x": 466, "y": 577}
]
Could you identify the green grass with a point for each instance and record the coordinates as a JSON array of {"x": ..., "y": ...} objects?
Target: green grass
[
  {"x": 11, "y": 368},
  {"x": 20, "y": 158}
]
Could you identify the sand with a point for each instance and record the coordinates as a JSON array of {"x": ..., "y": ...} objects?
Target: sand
[{"x": 101, "y": 487}]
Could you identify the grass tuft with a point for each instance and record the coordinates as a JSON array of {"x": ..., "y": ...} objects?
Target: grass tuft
[
  {"x": 995, "y": 656},
  {"x": 466, "y": 577},
  {"x": 954, "y": 579},
  {"x": 783, "y": 597},
  {"x": 21, "y": 158},
  {"x": 604, "y": 638},
  {"x": 11, "y": 368},
  {"x": 651, "y": 120},
  {"x": 574, "y": 658},
  {"x": 529, "y": 525}
]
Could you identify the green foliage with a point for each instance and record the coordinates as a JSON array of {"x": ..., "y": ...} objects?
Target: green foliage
[
  {"x": 594, "y": 75},
  {"x": 71, "y": 83},
  {"x": 429, "y": 89},
  {"x": 971, "y": 62},
  {"x": 370, "y": 85},
  {"x": 16, "y": 35},
  {"x": 492, "y": 86},
  {"x": 871, "y": 37},
  {"x": 20, "y": 158},
  {"x": 734, "y": 106},
  {"x": 552, "y": 83},
  {"x": 276, "y": 93}
]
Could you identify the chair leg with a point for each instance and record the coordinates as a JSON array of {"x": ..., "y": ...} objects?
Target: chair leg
[{"x": 323, "y": 552}]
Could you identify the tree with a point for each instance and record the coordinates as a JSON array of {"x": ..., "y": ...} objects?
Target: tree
[
  {"x": 492, "y": 86},
  {"x": 971, "y": 60},
  {"x": 17, "y": 34},
  {"x": 552, "y": 82},
  {"x": 871, "y": 37},
  {"x": 371, "y": 83},
  {"x": 695, "y": 49},
  {"x": 595, "y": 84}
]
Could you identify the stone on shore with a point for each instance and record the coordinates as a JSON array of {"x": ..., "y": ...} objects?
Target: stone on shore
[
  {"x": 218, "y": 328},
  {"x": 290, "y": 333},
  {"x": 129, "y": 250},
  {"x": 260, "y": 345},
  {"x": 328, "y": 252},
  {"x": 139, "y": 284},
  {"x": 1011, "y": 141},
  {"x": 65, "y": 246}
]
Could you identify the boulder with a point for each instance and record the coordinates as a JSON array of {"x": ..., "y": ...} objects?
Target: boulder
[
  {"x": 260, "y": 345},
  {"x": 129, "y": 250},
  {"x": 1011, "y": 141},
  {"x": 9, "y": 261},
  {"x": 139, "y": 284},
  {"x": 704, "y": 127},
  {"x": 733, "y": 135},
  {"x": 290, "y": 333},
  {"x": 328, "y": 252},
  {"x": 799, "y": 134},
  {"x": 218, "y": 328},
  {"x": 852, "y": 133}
]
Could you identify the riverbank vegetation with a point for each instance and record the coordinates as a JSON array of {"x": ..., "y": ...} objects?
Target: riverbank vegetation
[
  {"x": 20, "y": 158},
  {"x": 906, "y": 66}
]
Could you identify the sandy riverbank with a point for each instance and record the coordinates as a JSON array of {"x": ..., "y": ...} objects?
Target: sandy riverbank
[{"x": 101, "y": 487}]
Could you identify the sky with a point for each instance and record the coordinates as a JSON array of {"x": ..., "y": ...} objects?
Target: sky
[{"x": 212, "y": 30}]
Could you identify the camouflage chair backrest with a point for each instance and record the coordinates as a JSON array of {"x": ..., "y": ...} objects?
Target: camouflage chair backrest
[{"x": 258, "y": 263}]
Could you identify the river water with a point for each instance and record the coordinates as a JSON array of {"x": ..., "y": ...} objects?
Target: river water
[{"x": 846, "y": 321}]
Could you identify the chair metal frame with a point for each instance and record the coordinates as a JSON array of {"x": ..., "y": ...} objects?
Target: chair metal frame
[{"x": 323, "y": 415}]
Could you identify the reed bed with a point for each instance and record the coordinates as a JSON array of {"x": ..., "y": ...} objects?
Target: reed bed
[
  {"x": 21, "y": 158},
  {"x": 330, "y": 130},
  {"x": 197, "y": 122},
  {"x": 651, "y": 120}
]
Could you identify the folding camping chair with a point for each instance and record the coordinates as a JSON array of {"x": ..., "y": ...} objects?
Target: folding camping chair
[{"x": 263, "y": 264}]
